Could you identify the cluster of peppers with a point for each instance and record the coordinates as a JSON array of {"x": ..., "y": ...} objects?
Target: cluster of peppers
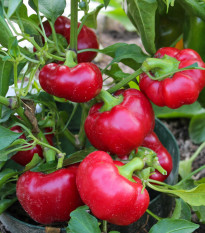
[{"x": 121, "y": 125}]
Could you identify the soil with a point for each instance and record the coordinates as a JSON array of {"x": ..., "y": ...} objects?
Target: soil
[{"x": 179, "y": 127}]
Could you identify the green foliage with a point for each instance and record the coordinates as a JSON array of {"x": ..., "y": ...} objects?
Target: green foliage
[
  {"x": 7, "y": 137},
  {"x": 142, "y": 15},
  {"x": 197, "y": 128},
  {"x": 13, "y": 5},
  {"x": 129, "y": 54},
  {"x": 181, "y": 210},
  {"x": 82, "y": 221},
  {"x": 177, "y": 225}
]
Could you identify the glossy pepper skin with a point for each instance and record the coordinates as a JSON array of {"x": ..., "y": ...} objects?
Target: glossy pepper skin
[
  {"x": 86, "y": 39},
  {"x": 152, "y": 142},
  {"x": 124, "y": 127},
  {"x": 78, "y": 84},
  {"x": 49, "y": 198},
  {"x": 182, "y": 87},
  {"x": 25, "y": 157},
  {"x": 109, "y": 195}
]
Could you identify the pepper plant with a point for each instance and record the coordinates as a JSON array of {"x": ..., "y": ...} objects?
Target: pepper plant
[{"x": 69, "y": 138}]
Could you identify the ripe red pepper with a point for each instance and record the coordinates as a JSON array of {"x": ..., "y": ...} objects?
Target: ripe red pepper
[
  {"x": 78, "y": 84},
  {"x": 152, "y": 142},
  {"x": 180, "y": 88},
  {"x": 124, "y": 127},
  {"x": 110, "y": 195},
  {"x": 49, "y": 198},
  {"x": 24, "y": 157},
  {"x": 86, "y": 38}
]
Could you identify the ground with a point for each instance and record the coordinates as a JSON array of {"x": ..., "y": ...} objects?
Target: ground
[{"x": 109, "y": 34}]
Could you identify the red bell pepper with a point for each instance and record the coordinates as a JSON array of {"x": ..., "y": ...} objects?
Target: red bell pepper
[
  {"x": 49, "y": 198},
  {"x": 179, "y": 88},
  {"x": 24, "y": 157},
  {"x": 78, "y": 84},
  {"x": 152, "y": 142},
  {"x": 124, "y": 127},
  {"x": 110, "y": 194},
  {"x": 86, "y": 38}
]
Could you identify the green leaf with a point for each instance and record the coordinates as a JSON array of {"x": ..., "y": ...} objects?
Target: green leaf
[
  {"x": 184, "y": 111},
  {"x": 5, "y": 76},
  {"x": 142, "y": 15},
  {"x": 6, "y": 203},
  {"x": 177, "y": 225},
  {"x": 197, "y": 128},
  {"x": 200, "y": 212},
  {"x": 181, "y": 210},
  {"x": 91, "y": 18},
  {"x": 185, "y": 184},
  {"x": 52, "y": 8},
  {"x": 4, "y": 37},
  {"x": 116, "y": 73},
  {"x": 185, "y": 168},
  {"x": 7, "y": 189},
  {"x": 45, "y": 167},
  {"x": 81, "y": 221},
  {"x": 6, "y": 113},
  {"x": 7, "y": 137},
  {"x": 194, "y": 197},
  {"x": 14, "y": 50},
  {"x": 201, "y": 181},
  {"x": 13, "y": 5},
  {"x": 35, "y": 160},
  {"x": 78, "y": 156},
  {"x": 6, "y": 174},
  {"x": 106, "y": 2},
  {"x": 129, "y": 54},
  {"x": 194, "y": 7},
  {"x": 30, "y": 25}
]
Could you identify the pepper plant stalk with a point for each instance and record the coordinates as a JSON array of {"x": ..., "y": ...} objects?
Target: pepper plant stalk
[{"x": 74, "y": 26}]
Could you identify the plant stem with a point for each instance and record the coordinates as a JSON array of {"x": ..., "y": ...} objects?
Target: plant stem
[
  {"x": 31, "y": 77},
  {"x": 20, "y": 112},
  {"x": 16, "y": 76},
  {"x": 54, "y": 36},
  {"x": 191, "y": 174},
  {"x": 153, "y": 215},
  {"x": 196, "y": 153},
  {"x": 82, "y": 135},
  {"x": 104, "y": 226},
  {"x": 74, "y": 26},
  {"x": 125, "y": 81},
  {"x": 161, "y": 183}
]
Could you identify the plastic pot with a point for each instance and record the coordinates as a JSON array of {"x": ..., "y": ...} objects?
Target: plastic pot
[{"x": 161, "y": 204}]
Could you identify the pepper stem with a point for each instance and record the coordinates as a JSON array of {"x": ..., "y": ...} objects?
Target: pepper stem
[
  {"x": 70, "y": 59},
  {"x": 109, "y": 100},
  {"x": 127, "y": 170},
  {"x": 160, "y": 66}
]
